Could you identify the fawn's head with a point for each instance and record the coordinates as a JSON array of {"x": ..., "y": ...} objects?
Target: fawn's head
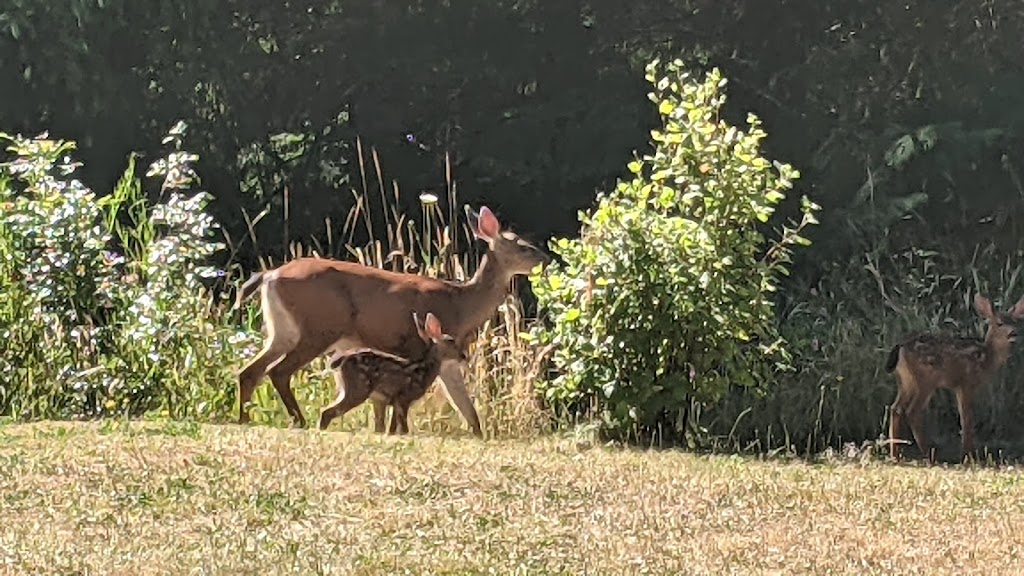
[
  {"x": 510, "y": 252},
  {"x": 1002, "y": 330},
  {"x": 443, "y": 345}
]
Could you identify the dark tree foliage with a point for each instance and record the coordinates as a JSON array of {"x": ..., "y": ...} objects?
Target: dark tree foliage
[{"x": 537, "y": 103}]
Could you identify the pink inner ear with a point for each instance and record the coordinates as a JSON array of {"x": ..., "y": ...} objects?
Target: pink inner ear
[
  {"x": 433, "y": 326},
  {"x": 1018, "y": 309},
  {"x": 488, "y": 226},
  {"x": 983, "y": 306}
]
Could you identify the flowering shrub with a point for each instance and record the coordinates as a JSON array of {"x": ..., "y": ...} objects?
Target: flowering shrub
[{"x": 106, "y": 306}]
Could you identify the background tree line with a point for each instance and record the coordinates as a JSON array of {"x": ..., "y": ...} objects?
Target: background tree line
[
  {"x": 903, "y": 119},
  {"x": 537, "y": 103}
]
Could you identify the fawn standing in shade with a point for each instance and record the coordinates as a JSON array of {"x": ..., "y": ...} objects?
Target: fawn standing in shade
[
  {"x": 389, "y": 379},
  {"x": 927, "y": 362}
]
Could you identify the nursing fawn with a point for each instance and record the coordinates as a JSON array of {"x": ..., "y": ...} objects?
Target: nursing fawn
[
  {"x": 389, "y": 379},
  {"x": 927, "y": 362}
]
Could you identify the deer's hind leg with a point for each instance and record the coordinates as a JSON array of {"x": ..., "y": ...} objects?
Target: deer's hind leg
[
  {"x": 896, "y": 412},
  {"x": 282, "y": 338},
  {"x": 304, "y": 352},
  {"x": 915, "y": 414},
  {"x": 250, "y": 376}
]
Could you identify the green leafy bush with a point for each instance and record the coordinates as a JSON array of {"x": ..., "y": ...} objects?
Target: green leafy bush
[
  {"x": 105, "y": 309},
  {"x": 665, "y": 301}
]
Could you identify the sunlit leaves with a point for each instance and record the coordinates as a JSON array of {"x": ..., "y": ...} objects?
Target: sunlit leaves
[
  {"x": 663, "y": 300},
  {"x": 105, "y": 308}
]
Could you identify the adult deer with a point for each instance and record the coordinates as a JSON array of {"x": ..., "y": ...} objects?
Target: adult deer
[
  {"x": 312, "y": 305},
  {"x": 927, "y": 362}
]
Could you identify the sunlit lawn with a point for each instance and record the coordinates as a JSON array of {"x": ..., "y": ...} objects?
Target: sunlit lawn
[{"x": 167, "y": 498}]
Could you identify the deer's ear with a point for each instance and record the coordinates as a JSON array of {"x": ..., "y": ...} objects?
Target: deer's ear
[
  {"x": 983, "y": 306},
  {"x": 486, "y": 226},
  {"x": 1017, "y": 312},
  {"x": 432, "y": 327}
]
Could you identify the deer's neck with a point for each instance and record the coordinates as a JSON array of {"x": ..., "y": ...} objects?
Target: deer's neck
[
  {"x": 428, "y": 367},
  {"x": 481, "y": 296},
  {"x": 998, "y": 354}
]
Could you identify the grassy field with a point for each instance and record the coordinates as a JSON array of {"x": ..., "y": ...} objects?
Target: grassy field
[{"x": 173, "y": 498}]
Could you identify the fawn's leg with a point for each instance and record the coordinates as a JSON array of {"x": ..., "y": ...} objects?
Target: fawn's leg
[
  {"x": 966, "y": 409},
  {"x": 380, "y": 407},
  {"x": 349, "y": 397},
  {"x": 915, "y": 413},
  {"x": 896, "y": 412},
  {"x": 393, "y": 426},
  {"x": 399, "y": 417}
]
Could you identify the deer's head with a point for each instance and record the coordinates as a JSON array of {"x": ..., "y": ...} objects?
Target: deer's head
[
  {"x": 444, "y": 345},
  {"x": 1002, "y": 329},
  {"x": 509, "y": 252}
]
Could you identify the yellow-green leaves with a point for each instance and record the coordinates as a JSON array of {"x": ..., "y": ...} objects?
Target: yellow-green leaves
[{"x": 656, "y": 305}]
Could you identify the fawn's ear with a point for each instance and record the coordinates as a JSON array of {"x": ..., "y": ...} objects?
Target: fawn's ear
[
  {"x": 432, "y": 327},
  {"x": 983, "y": 306},
  {"x": 1017, "y": 312},
  {"x": 485, "y": 225}
]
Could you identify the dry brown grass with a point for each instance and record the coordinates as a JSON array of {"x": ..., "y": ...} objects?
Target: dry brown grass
[{"x": 171, "y": 498}]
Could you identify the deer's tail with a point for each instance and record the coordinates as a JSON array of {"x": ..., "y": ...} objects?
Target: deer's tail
[
  {"x": 894, "y": 358},
  {"x": 250, "y": 286}
]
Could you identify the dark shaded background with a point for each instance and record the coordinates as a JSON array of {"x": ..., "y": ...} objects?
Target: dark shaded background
[{"x": 538, "y": 103}]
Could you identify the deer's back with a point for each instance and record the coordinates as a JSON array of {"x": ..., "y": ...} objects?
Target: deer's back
[
  {"x": 945, "y": 361},
  {"x": 362, "y": 305}
]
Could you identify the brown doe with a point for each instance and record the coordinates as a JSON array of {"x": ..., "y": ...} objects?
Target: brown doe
[
  {"x": 391, "y": 379},
  {"x": 927, "y": 362},
  {"x": 313, "y": 305}
]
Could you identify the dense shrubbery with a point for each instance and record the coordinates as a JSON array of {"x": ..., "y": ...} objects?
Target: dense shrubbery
[
  {"x": 666, "y": 300},
  {"x": 108, "y": 309},
  {"x": 105, "y": 308}
]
